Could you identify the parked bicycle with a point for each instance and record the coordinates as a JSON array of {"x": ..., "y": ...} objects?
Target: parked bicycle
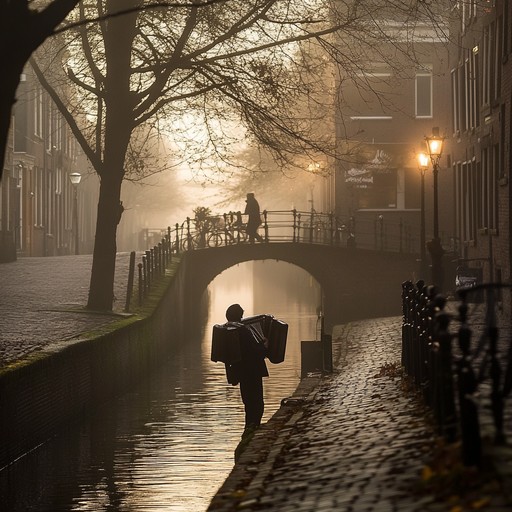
[
  {"x": 215, "y": 237},
  {"x": 227, "y": 230}
]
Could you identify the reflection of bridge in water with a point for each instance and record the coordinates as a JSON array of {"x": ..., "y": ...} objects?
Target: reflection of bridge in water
[{"x": 357, "y": 282}]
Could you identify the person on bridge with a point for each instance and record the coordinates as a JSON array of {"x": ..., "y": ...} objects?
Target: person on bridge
[
  {"x": 249, "y": 372},
  {"x": 252, "y": 209}
]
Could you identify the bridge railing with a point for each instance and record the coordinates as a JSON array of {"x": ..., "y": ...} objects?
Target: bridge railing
[
  {"x": 292, "y": 226},
  {"x": 278, "y": 226}
]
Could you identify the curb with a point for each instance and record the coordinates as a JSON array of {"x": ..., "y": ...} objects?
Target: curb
[{"x": 244, "y": 486}]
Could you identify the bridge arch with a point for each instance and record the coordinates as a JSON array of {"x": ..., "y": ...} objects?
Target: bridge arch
[{"x": 355, "y": 283}]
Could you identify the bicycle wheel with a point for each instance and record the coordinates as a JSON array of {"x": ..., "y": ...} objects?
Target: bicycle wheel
[
  {"x": 239, "y": 236},
  {"x": 187, "y": 244},
  {"x": 215, "y": 240}
]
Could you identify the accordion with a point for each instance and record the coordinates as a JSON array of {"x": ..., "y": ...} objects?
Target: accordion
[{"x": 226, "y": 342}]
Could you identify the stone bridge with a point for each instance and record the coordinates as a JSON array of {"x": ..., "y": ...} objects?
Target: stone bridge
[{"x": 356, "y": 283}]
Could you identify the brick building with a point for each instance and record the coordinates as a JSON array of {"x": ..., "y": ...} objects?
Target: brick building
[
  {"x": 481, "y": 85},
  {"x": 37, "y": 199},
  {"x": 383, "y": 114}
]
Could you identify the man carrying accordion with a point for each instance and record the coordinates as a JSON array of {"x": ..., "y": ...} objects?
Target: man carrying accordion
[{"x": 242, "y": 345}]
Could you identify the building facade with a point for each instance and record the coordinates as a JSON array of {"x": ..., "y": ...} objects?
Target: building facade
[
  {"x": 41, "y": 212},
  {"x": 383, "y": 115},
  {"x": 481, "y": 92}
]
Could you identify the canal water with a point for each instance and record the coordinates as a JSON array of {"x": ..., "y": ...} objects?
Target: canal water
[{"x": 168, "y": 445}]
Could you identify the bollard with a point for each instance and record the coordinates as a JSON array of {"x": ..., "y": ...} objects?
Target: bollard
[
  {"x": 444, "y": 399},
  {"x": 160, "y": 260},
  {"x": 141, "y": 284},
  {"x": 406, "y": 327},
  {"x": 129, "y": 288},
  {"x": 145, "y": 273},
  {"x": 467, "y": 387},
  {"x": 169, "y": 245},
  {"x": 177, "y": 243}
]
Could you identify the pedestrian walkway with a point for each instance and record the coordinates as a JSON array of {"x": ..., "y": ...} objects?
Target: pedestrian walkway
[
  {"x": 42, "y": 301},
  {"x": 357, "y": 442}
]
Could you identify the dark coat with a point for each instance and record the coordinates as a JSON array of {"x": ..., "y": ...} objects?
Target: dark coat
[
  {"x": 252, "y": 364},
  {"x": 252, "y": 209}
]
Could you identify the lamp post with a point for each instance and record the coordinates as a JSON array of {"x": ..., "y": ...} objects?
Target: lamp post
[
  {"x": 423, "y": 166},
  {"x": 75, "y": 178},
  {"x": 435, "y": 150}
]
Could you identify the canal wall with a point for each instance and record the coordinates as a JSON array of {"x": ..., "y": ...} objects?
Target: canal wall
[{"x": 67, "y": 380}]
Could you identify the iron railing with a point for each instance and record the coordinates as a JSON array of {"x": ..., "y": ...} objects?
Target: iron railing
[
  {"x": 290, "y": 226},
  {"x": 462, "y": 381}
]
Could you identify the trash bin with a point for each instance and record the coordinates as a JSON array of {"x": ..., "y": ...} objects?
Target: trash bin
[{"x": 312, "y": 357}]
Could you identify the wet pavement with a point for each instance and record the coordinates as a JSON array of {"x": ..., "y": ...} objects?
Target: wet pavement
[
  {"x": 42, "y": 301},
  {"x": 359, "y": 441}
]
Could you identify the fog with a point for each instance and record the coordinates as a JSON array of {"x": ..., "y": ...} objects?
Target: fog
[{"x": 169, "y": 197}]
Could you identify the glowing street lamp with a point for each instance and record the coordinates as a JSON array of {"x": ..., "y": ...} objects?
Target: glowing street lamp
[
  {"x": 75, "y": 178},
  {"x": 435, "y": 149}
]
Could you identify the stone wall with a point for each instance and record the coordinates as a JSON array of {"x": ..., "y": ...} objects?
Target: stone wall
[{"x": 69, "y": 379}]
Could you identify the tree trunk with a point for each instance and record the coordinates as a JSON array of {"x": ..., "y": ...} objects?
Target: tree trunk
[
  {"x": 119, "y": 103},
  {"x": 101, "y": 290}
]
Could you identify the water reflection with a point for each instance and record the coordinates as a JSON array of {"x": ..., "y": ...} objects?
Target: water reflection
[{"x": 168, "y": 445}]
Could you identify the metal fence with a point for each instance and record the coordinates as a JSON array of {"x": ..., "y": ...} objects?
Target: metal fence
[
  {"x": 456, "y": 378},
  {"x": 290, "y": 226}
]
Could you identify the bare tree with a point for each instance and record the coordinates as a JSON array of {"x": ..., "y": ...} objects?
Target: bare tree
[
  {"x": 200, "y": 71},
  {"x": 227, "y": 63}
]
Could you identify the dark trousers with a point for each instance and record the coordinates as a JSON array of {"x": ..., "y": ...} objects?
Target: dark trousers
[
  {"x": 252, "y": 232},
  {"x": 251, "y": 390}
]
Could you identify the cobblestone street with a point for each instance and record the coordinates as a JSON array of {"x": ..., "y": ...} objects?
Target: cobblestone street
[
  {"x": 357, "y": 443},
  {"x": 42, "y": 301}
]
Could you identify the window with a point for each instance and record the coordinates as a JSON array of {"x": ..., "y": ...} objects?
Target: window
[
  {"x": 58, "y": 130},
  {"x": 49, "y": 127},
  {"x": 463, "y": 96},
  {"x": 372, "y": 95},
  {"x": 473, "y": 101},
  {"x": 486, "y": 67},
  {"x": 455, "y": 99},
  {"x": 506, "y": 33},
  {"x": 467, "y": 12},
  {"x": 58, "y": 181},
  {"x": 497, "y": 50},
  {"x": 424, "y": 94},
  {"x": 466, "y": 196},
  {"x": 38, "y": 112},
  {"x": 38, "y": 196},
  {"x": 489, "y": 187}
]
